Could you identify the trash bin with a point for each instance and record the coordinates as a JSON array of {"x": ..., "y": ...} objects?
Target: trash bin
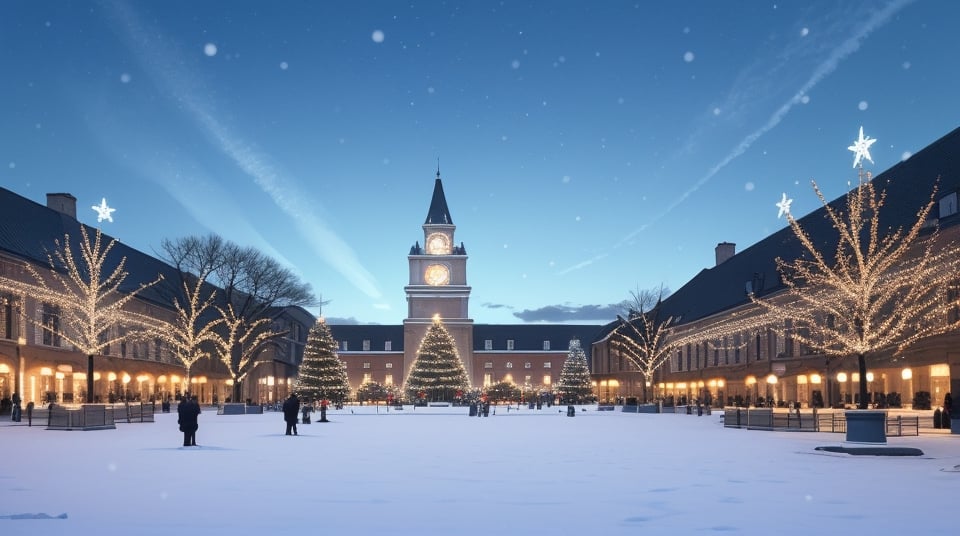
[{"x": 571, "y": 411}]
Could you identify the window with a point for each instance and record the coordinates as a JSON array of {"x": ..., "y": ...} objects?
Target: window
[
  {"x": 346, "y": 346},
  {"x": 388, "y": 380},
  {"x": 546, "y": 345},
  {"x": 366, "y": 345},
  {"x": 157, "y": 349},
  {"x": 758, "y": 345},
  {"x": 736, "y": 348},
  {"x": 388, "y": 346},
  {"x": 547, "y": 365},
  {"x": 509, "y": 364},
  {"x": 509, "y": 344},
  {"x": 50, "y": 319},
  {"x": 526, "y": 379},
  {"x": 389, "y": 365},
  {"x": 366, "y": 365},
  {"x": 488, "y": 365},
  {"x": 6, "y": 317},
  {"x": 716, "y": 357},
  {"x": 690, "y": 355},
  {"x": 679, "y": 359},
  {"x": 546, "y": 379},
  {"x": 367, "y": 377},
  {"x": 528, "y": 365},
  {"x": 488, "y": 344},
  {"x": 487, "y": 379}
]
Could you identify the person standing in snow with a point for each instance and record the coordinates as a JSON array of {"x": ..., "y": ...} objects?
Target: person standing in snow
[
  {"x": 188, "y": 411},
  {"x": 291, "y": 410}
]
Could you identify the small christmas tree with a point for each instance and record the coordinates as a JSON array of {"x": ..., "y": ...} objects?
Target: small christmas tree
[
  {"x": 575, "y": 385},
  {"x": 322, "y": 374},
  {"x": 437, "y": 373}
]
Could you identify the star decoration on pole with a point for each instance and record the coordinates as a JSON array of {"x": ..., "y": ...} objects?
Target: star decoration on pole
[
  {"x": 784, "y": 206},
  {"x": 103, "y": 211},
  {"x": 861, "y": 149}
]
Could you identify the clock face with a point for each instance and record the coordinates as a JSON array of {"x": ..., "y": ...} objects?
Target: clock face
[
  {"x": 436, "y": 274},
  {"x": 438, "y": 244}
]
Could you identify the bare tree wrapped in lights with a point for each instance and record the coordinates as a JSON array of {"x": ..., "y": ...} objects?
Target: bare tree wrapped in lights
[
  {"x": 437, "y": 373},
  {"x": 322, "y": 375},
  {"x": 192, "y": 333},
  {"x": 643, "y": 339},
  {"x": 86, "y": 296},
  {"x": 575, "y": 385},
  {"x": 878, "y": 292}
]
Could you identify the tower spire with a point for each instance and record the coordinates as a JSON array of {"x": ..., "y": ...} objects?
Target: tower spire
[{"x": 438, "y": 213}]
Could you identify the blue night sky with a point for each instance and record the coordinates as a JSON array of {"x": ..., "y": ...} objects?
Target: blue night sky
[{"x": 587, "y": 149}]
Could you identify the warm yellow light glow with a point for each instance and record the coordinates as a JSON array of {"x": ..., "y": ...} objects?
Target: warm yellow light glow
[
  {"x": 202, "y": 379},
  {"x": 815, "y": 379},
  {"x": 906, "y": 374},
  {"x": 751, "y": 380},
  {"x": 229, "y": 381},
  {"x": 270, "y": 381},
  {"x": 713, "y": 383},
  {"x": 613, "y": 383},
  {"x": 65, "y": 368},
  {"x": 855, "y": 377},
  {"x": 96, "y": 376},
  {"x": 111, "y": 376},
  {"x": 174, "y": 378},
  {"x": 669, "y": 385},
  {"x": 869, "y": 376},
  {"x": 142, "y": 378},
  {"x": 46, "y": 371},
  {"x": 700, "y": 383},
  {"x": 648, "y": 384},
  {"x": 126, "y": 378},
  {"x": 842, "y": 377},
  {"x": 162, "y": 379},
  {"x": 682, "y": 385},
  {"x": 59, "y": 375},
  {"x": 801, "y": 380},
  {"x": 662, "y": 385},
  {"x": 772, "y": 379},
  {"x": 508, "y": 378},
  {"x": 547, "y": 380},
  {"x": 721, "y": 383},
  {"x": 4, "y": 369},
  {"x": 939, "y": 371},
  {"x": 78, "y": 376}
]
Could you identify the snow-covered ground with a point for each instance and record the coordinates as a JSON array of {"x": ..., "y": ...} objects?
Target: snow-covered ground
[{"x": 435, "y": 471}]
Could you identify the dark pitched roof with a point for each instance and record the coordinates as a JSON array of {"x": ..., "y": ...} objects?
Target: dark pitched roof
[
  {"x": 28, "y": 231},
  {"x": 908, "y": 185},
  {"x": 377, "y": 334},
  {"x": 438, "y": 213}
]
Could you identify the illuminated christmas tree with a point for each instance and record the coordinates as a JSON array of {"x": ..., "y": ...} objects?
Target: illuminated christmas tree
[
  {"x": 575, "y": 385},
  {"x": 322, "y": 375},
  {"x": 437, "y": 373},
  {"x": 879, "y": 292},
  {"x": 84, "y": 304},
  {"x": 643, "y": 340}
]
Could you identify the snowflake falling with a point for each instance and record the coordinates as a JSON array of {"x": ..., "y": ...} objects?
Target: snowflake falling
[{"x": 103, "y": 211}]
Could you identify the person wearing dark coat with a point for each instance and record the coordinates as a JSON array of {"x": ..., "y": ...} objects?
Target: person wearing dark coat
[
  {"x": 291, "y": 410},
  {"x": 188, "y": 410}
]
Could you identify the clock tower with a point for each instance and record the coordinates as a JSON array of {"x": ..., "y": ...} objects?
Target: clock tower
[{"x": 438, "y": 286}]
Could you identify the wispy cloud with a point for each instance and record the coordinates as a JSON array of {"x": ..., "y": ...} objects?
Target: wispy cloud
[
  {"x": 568, "y": 313},
  {"x": 835, "y": 55},
  {"x": 284, "y": 192}
]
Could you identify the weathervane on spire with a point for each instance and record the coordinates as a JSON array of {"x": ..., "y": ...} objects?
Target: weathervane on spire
[
  {"x": 103, "y": 211},
  {"x": 861, "y": 149}
]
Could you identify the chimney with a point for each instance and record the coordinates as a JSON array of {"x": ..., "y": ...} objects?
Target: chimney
[
  {"x": 63, "y": 203},
  {"x": 724, "y": 251}
]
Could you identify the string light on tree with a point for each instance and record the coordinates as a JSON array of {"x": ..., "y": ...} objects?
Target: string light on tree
[
  {"x": 322, "y": 375},
  {"x": 437, "y": 373},
  {"x": 645, "y": 340},
  {"x": 86, "y": 307},
  {"x": 878, "y": 292},
  {"x": 575, "y": 385}
]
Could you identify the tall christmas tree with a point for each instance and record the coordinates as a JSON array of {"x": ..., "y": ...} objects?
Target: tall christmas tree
[
  {"x": 437, "y": 373},
  {"x": 575, "y": 385},
  {"x": 323, "y": 376}
]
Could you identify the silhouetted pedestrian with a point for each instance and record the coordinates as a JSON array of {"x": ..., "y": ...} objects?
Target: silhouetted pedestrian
[
  {"x": 291, "y": 410},
  {"x": 188, "y": 411}
]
